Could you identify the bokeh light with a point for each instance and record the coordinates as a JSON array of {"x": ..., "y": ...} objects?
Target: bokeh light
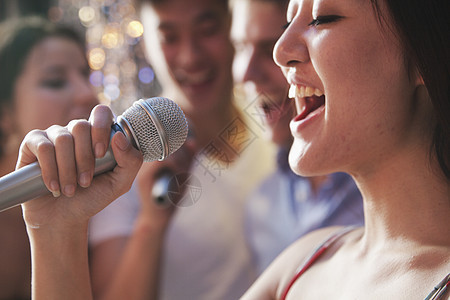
[
  {"x": 146, "y": 75},
  {"x": 112, "y": 92},
  {"x": 112, "y": 37},
  {"x": 96, "y": 58},
  {"x": 120, "y": 73},
  {"x": 96, "y": 78},
  {"x": 86, "y": 15},
  {"x": 110, "y": 79},
  {"x": 135, "y": 29}
]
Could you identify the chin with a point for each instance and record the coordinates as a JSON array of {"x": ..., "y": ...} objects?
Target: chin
[{"x": 305, "y": 162}]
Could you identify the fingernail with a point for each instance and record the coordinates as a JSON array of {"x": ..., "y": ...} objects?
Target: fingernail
[
  {"x": 85, "y": 179},
  {"x": 69, "y": 190},
  {"x": 122, "y": 142},
  {"x": 99, "y": 150},
  {"x": 54, "y": 189}
]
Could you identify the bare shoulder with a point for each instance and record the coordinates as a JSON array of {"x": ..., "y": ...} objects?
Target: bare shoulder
[
  {"x": 276, "y": 277},
  {"x": 291, "y": 259}
]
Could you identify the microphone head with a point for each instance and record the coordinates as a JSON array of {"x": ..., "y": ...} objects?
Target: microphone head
[{"x": 157, "y": 125}]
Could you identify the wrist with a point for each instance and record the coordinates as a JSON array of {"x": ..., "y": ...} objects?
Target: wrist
[
  {"x": 151, "y": 227},
  {"x": 60, "y": 264},
  {"x": 56, "y": 236}
]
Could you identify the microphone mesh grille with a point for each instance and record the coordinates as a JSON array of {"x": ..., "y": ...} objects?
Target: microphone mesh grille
[{"x": 169, "y": 115}]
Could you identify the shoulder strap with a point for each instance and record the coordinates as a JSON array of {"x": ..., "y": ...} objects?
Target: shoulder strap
[
  {"x": 317, "y": 252},
  {"x": 439, "y": 291}
]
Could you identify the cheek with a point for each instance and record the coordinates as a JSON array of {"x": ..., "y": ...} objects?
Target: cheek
[
  {"x": 41, "y": 109},
  {"x": 219, "y": 48},
  {"x": 367, "y": 94},
  {"x": 364, "y": 75},
  {"x": 342, "y": 66},
  {"x": 165, "y": 57}
]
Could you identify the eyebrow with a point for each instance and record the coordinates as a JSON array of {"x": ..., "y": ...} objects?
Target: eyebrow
[
  {"x": 207, "y": 16},
  {"x": 54, "y": 68},
  {"x": 62, "y": 69},
  {"x": 202, "y": 17}
]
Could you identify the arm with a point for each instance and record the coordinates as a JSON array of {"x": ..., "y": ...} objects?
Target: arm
[
  {"x": 57, "y": 227},
  {"x": 129, "y": 266},
  {"x": 59, "y": 263}
]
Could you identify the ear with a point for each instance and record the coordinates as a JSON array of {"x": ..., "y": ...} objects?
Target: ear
[
  {"x": 419, "y": 80},
  {"x": 421, "y": 89},
  {"x": 417, "y": 77}
]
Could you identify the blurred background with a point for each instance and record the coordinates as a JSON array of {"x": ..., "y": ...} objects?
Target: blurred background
[{"x": 113, "y": 34}]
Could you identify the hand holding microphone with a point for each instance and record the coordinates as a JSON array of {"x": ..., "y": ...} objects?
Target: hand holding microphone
[{"x": 157, "y": 127}]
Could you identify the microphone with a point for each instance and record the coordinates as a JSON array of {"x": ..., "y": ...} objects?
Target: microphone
[
  {"x": 156, "y": 126},
  {"x": 166, "y": 183},
  {"x": 163, "y": 186}
]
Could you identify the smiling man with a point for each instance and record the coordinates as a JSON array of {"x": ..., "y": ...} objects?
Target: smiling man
[{"x": 197, "y": 250}]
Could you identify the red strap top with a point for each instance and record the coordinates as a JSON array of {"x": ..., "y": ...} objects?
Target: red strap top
[
  {"x": 436, "y": 294},
  {"x": 314, "y": 256}
]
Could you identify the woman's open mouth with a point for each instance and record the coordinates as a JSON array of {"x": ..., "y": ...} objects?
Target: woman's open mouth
[{"x": 309, "y": 101}]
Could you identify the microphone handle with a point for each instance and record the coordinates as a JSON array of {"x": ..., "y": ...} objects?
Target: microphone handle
[
  {"x": 162, "y": 187},
  {"x": 26, "y": 183}
]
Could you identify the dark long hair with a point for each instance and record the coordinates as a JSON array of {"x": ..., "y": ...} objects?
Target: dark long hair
[
  {"x": 17, "y": 38},
  {"x": 424, "y": 29}
]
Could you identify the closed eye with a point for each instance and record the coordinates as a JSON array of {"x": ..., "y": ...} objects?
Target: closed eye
[
  {"x": 54, "y": 83},
  {"x": 320, "y": 20},
  {"x": 285, "y": 26}
]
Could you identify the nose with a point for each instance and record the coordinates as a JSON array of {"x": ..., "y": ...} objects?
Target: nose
[
  {"x": 290, "y": 48},
  {"x": 189, "y": 52}
]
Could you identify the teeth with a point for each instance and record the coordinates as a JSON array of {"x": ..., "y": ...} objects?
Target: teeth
[
  {"x": 309, "y": 91},
  {"x": 292, "y": 91},
  {"x": 318, "y": 92},
  {"x": 296, "y": 91}
]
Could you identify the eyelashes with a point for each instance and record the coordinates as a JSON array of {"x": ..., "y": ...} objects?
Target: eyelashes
[
  {"x": 54, "y": 83},
  {"x": 320, "y": 20},
  {"x": 285, "y": 26}
]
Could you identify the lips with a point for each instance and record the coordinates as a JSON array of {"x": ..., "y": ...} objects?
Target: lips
[{"x": 194, "y": 78}]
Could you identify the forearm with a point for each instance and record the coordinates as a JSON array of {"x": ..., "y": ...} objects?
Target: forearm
[
  {"x": 137, "y": 274},
  {"x": 60, "y": 263}
]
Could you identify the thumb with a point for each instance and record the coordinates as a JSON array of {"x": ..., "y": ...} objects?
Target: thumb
[{"x": 128, "y": 159}]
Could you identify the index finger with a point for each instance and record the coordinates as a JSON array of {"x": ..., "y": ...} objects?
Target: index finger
[{"x": 101, "y": 119}]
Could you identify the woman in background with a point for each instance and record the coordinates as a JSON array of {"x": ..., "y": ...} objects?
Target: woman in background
[{"x": 44, "y": 80}]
